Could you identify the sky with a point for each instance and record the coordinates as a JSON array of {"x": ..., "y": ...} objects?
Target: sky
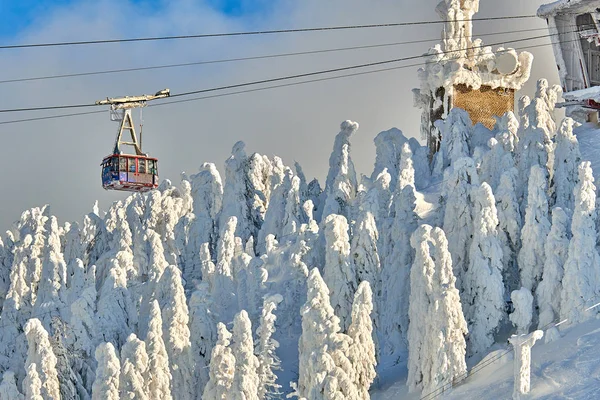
[{"x": 56, "y": 161}]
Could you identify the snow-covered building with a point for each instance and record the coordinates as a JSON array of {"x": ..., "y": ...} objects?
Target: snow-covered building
[
  {"x": 575, "y": 29},
  {"x": 461, "y": 72}
]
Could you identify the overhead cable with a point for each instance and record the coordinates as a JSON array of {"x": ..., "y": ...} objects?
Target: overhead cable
[
  {"x": 250, "y": 58},
  {"x": 254, "y": 33},
  {"x": 255, "y": 89},
  {"x": 288, "y": 77}
]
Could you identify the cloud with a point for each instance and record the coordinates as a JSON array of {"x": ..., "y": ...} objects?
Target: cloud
[{"x": 57, "y": 161}]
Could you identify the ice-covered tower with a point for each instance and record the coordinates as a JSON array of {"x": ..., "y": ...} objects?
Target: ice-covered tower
[
  {"x": 461, "y": 72},
  {"x": 575, "y": 29}
]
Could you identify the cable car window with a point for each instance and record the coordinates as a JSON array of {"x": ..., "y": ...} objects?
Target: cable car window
[
  {"x": 123, "y": 164},
  {"x": 132, "y": 165},
  {"x": 142, "y": 166},
  {"x": 151, "y": 167},
  {"x": 115, "y": 164}
]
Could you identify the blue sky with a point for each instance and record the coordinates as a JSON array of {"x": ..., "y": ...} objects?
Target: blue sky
[{"x": 17, "y": 15}]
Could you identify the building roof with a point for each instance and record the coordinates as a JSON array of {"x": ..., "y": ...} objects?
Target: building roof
[{"x": 568, "y": 6}]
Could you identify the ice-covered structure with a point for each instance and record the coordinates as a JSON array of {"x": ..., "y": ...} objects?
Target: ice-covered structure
[
  {"x": 575, "y": 31},
  {"x": 461, "y": 72}
]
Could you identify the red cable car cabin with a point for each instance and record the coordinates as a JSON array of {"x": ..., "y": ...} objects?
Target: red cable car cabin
[{"x": 127, "y": 172}]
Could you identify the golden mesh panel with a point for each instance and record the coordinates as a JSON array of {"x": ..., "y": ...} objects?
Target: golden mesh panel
[{"x": 485, "y": 103}]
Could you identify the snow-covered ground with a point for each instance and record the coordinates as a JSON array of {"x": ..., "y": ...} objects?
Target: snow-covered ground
[
  {"x": 588, "y": 136},
  {"x": 568, "y": 368}
]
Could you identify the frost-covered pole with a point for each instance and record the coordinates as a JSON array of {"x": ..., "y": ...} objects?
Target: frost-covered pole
[{"x": 523, "y": 345}]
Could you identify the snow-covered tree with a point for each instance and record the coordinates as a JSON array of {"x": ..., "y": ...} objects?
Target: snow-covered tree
[
  {"x": 234, "y": 192},
  {"x": 341, "y": 185},
  {"x": 40, "y": 353},
  {"x": 53, "y": 281},
  {"x": 134, "y": 363},
  {"x": 446, "y": 339},
  {"x": 207, "y": 193},
  {"x": 580, "y": 281},
  {"x": 363, "y": 251},
  {"x": 265, "y": 350},
  {"x": 117, "y": 315},
  {"x": 395, "y": 271},
  {"x": 203, "y": 335},
  {"x": 324, "y": 370},
  {"x": 507, "y": 128},
  {"x": 566, "y": 161},
  {"x": 459, "y": 180},
  {"x": 436, "y": 350},
  {"x": 106, "y": 385},
  {"x": 494, "y": 163},
  {"x": 158, "y": 375},
  {"x": 521, "y": 318},
  {"x": 535, "y": 230},
  {"x": 339, "y": 273},
  {"x": 362, "y": 350},
  {"x": 388, "y": 146},
  {"x": 535, "y": 145},
  {"x": 483, "y": 299},
  {"x": 456, "y": 131},
  {"x": 222, "y": 367},
  {"x": 8, "y": 387},
  {"x": 557, "y": 249},
  {"x": 176, "y": 333},
  {"x": 420, "y": 282},
  {"x": 509, "y": 226},
  {"x": 246, "y": 380},
  {"x": 32, "y": 385},
  {"x": 83, "y": 324}
]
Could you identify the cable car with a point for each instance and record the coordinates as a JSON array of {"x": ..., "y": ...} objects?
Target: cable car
[{"x": 129, "y": 172}]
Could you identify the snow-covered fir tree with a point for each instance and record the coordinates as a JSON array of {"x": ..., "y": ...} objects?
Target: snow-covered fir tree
[
  {"x": 266, "y": 351},
  {"x": 363, "y": 252},
  {"x": 436, "y": 352},
  {"x": 341, "y": 184},
  {"x": 456, "y": 131},
  {"x": 40, "y": 353},
  {"x": 339, "y": 273},
  {"x": 557, "y": 249},
  {"x": 8, "y": 387},
  {"x": 158, "y": 376},
  {"x": 566, "y": 161},
  {"x": 580, "y": 281},
  {"x": 509, "y": 226},
  {"x": 246, "y": 380},
  {"x": 176, "y": 332},
  {"x": 106, "y": 385},
  {"x": 395, "y": 292},
  {"x": 535, "y": 230},
  {"x": 134, "y": 364},
  {"x": 483, "y": 299},
  {"x": 362, "y": 350},
  {"x": 32, "y": 385},
  {"x": 324, "y": 370},
  {"x": 203, "y": 335},
  {"x": 460, "y": 179},
  {"x": 222, "y": 367}
]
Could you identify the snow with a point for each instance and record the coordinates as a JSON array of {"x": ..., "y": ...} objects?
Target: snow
[
  {"x": 591, "y": 93},
  {"x": 139, "y": 301},
  {"x": 559, "y": 6}
]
